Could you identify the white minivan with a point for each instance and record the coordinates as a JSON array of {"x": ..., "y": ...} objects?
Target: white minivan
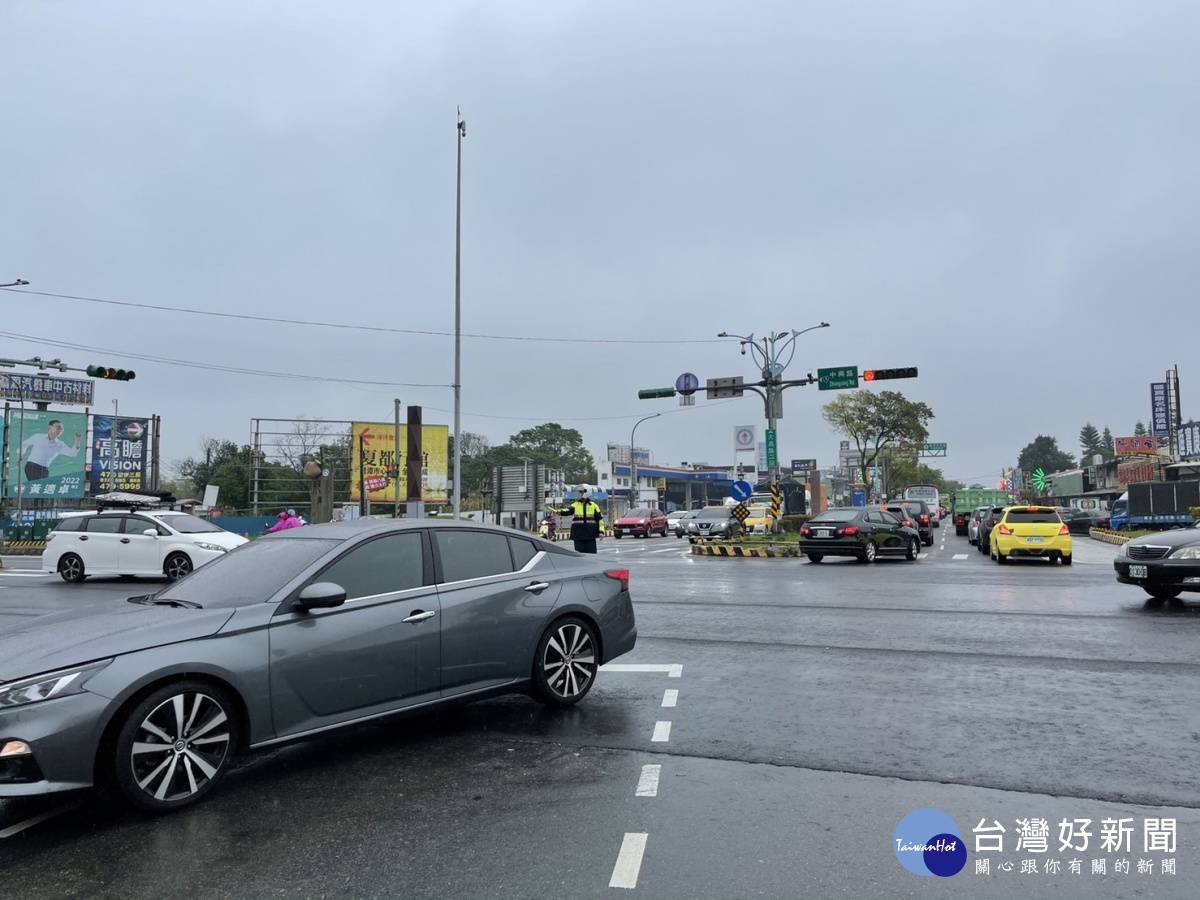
[{"x": 151, "y": 543}]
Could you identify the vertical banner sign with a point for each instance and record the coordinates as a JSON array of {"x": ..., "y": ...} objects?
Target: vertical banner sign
[
  {"x": 129, "y": 462},
  {"x": 1160, "y": 420},
  {"x": 46, "y": 454},
  {"x": 378, "y": 443}
]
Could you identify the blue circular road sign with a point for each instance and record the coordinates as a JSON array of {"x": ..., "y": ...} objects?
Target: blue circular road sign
[
  {"x": 687, "y": 383},
  {"x": 741, "y": 490}
]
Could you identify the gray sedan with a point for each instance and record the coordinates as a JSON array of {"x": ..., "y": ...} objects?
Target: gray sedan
[{"x": 292, "y": 635}]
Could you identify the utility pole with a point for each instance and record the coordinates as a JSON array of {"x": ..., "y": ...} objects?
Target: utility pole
[
  {"x": 396, "y": 482},
  {"x": 456, "y": 490},
  {"x": 770, "y": 357}
]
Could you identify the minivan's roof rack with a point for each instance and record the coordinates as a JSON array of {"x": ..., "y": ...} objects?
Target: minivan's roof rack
[{"x": 135, "y": 500}]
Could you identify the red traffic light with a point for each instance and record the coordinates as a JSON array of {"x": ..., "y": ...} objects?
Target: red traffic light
[{"x": 889, "y": 374}]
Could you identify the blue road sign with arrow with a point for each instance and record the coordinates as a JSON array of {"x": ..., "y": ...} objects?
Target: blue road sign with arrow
[{"x": 741, "y": 490}]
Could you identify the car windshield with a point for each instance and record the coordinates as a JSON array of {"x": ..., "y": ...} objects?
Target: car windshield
[
  {"x": 253, "y": 573},
  {"x": 835, "y": 515},
  {"x": 640, "y": 513},
  {"x": 713, "y": 512},
  {"x": 185, "y": 524}
]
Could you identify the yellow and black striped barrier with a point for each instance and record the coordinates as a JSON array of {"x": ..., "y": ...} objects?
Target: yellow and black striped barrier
[
  {"x": 770, "y": 551},
  {"x": 23, "y": 548}
]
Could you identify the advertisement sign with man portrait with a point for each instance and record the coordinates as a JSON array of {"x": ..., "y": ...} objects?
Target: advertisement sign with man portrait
[{"x": 46, "y": 454}]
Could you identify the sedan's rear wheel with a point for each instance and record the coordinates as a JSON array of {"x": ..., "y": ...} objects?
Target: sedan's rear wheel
[
  {"x": 175, "y": 746},
  {"x": 1163, "y": 593},
  {"x": 815, "y": 557},
  {"x": 565, "y": 665},
  {"x": 869, "y": 552},
  {"x": 70, "y": 567},
  {"x": 914, "y": 549}
]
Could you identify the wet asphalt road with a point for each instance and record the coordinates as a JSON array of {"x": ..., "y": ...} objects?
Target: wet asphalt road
[{"x": 797, "y": 713}]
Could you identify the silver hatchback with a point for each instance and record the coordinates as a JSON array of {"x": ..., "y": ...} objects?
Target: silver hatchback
[{"x": 292, "y": 635}]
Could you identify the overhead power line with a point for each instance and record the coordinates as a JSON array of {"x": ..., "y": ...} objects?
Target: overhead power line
[{"x": 376, "y": 328}]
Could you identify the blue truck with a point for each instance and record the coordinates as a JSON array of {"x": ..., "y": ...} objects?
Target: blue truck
[{"x": 1155, "y": 506}]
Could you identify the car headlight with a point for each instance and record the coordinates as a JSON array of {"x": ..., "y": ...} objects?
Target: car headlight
[
  {"x": 1123, "y": 550},
  {"x": 641, "y": 521},
  {"x": 204, "y": 545},
  {"x": 47, "y": 687},
  {"x": 1186, "y": 553}
]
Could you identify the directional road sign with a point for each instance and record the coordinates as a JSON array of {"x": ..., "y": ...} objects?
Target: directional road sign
[
  {"x": 739, "y": 512},
  {"x": 741, "y": 490},
  {"x": 772, "y": 449},
  {"x": 933, "y": 446},
  {"x": 838, "y": 379}
]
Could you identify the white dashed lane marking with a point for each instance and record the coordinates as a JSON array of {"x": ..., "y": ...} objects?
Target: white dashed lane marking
[
  {"x": 672, "y": 671},
  {"x": 670, "y": 697},
  {"x": 662, "y": 732},
  {"x": 959, "y": 556},
  {"x": 648, "y": 783},
  {"x": 629, "y": 861}
]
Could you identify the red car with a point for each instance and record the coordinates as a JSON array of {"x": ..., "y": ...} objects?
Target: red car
[{"x": 642, "y": 521}]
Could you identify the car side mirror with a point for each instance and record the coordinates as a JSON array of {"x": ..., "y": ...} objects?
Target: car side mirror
[
  {"x": 320, "y": 595},
  {"x": 152, "y": 532}
]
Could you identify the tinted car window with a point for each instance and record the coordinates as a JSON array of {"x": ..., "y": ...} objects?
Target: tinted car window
[
  {"x": 889, "y": 518},
  {"x": 75, "y": 523},
  {"x": 104, "y": 524},
  {"x": 382, "y": 566},
  {"x": 137, "y": 525},
  {"x": 1024, "y": 515},
  {"x": 522, "y": 551},
  {"x": 836, "y": 515},
  {"x": 253, "y": 573},
  {"x": 473, "y": 554}
]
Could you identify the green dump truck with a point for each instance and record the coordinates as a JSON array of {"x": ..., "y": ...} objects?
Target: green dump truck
[{"x": 963, "y": 501}]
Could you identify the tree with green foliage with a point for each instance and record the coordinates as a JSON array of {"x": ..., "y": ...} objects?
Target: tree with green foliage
[
  {"x": 1140, "y": 429},
  {"x": 1110, "y": 444},
  {"x": 904, "y": 468},
  {"x": 873, "y": 421},
  {"x": 1044, "y": 453},
  {"x": 1090, "y": 441},
  {"x": 555, "y": 447}
]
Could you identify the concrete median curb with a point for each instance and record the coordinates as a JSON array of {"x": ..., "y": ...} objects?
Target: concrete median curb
[
  {"x": 23, "y": 548},
  {"x": 741, "y": 551},
  {"x": 1108, "y": 537}
]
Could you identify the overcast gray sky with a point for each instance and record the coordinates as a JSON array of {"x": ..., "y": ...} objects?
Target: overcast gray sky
[{"x": 1003, "y": 194}]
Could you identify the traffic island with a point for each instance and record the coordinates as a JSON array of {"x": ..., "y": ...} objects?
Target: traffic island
[{"x": 747, "y": 551}]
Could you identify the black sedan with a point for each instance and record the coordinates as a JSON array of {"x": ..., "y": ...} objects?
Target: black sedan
[
  {"x": 1164, "y": 565},
  {"x": 862, "y": 532},
  {"x": 1078, "y": 521}
]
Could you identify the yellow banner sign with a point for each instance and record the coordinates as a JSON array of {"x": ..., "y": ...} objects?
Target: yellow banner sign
[{"x": 373, "y": 452}]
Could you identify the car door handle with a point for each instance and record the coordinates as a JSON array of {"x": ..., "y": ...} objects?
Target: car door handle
[
  {"x": 83, "y": 537},
  {"x": 537, "y": 587},
  {"x": 419, "y": 616},
  {"x": 124, "y": 540}
]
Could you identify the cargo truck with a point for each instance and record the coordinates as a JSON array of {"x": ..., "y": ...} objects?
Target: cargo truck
[
  {"x": 1155, "y": 505},
  {"x": 965, "y": 500}
]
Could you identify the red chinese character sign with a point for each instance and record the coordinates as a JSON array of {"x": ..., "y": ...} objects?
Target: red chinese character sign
[{"x": 1138, "y": 444}]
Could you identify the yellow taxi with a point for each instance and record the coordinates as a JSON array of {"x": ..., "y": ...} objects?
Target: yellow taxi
[
  {"x": 1031, "y": 531},
  {"x": 760, "y": 520}
]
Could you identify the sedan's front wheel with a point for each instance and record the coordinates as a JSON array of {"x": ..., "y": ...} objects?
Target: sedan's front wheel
[
  {"x": 914, "y": 549},
  {"x": 176, "y": 566},
  {"x": 566, "y": 662},
  {"x": 175, "y": 746}
]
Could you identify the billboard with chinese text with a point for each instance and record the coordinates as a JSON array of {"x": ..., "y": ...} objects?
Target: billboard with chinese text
[
  {"x": 1160, "y": 417},
  {"x": 373, "y": 452},
  {"x": 1187, "y": 438},
  {"x": 1142, "y": 443},
  {"x": 1135, "y": 473},
  {"x": 126, "y": 455},
  {"x": 46, "y": 455}
]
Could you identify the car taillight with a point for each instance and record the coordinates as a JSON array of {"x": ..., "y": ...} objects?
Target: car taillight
[
  {"x": 804, "y": 530},
  {"x": 848, "y": 530},
  {"x": 958, "y": 520},
  {"x": 1063, "y": 529},
  {"x": 621, "y": 575},
  {"x": 924, "y": 519},
  {"x": 909, "y": 523},
  {"x": 1004, "y": 529}
]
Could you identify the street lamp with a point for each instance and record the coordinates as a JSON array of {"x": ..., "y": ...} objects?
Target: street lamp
[
  {"x": 769, "y": 355},
  {"x": 633, "y": 497},
  {"x": 525, "y": 485},
  {"x": 20, "y": 282},
  {"x": 456, "y": 491}
]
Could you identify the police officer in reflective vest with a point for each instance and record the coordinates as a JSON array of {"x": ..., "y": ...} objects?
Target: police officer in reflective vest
[{"x": 587, "y": 522}]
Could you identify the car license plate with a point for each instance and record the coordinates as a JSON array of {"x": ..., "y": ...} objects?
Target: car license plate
[
  {"x": 1137, "y": 572},
  {"x": 1035, "y": 540},
  {"x": 823, "y": 532}
]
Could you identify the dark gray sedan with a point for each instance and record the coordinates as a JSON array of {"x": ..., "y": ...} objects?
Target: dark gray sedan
[{"x": 295, "y": 634}]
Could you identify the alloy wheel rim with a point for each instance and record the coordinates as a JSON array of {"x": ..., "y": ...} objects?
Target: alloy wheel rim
[
  {"x": 180, "y": 746},
  {"x": 70, "y": 566},
  {"x": 178, "y": 567},
  {"x": 569, "y": 661},
  {"x": 870, "y": 550}
]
